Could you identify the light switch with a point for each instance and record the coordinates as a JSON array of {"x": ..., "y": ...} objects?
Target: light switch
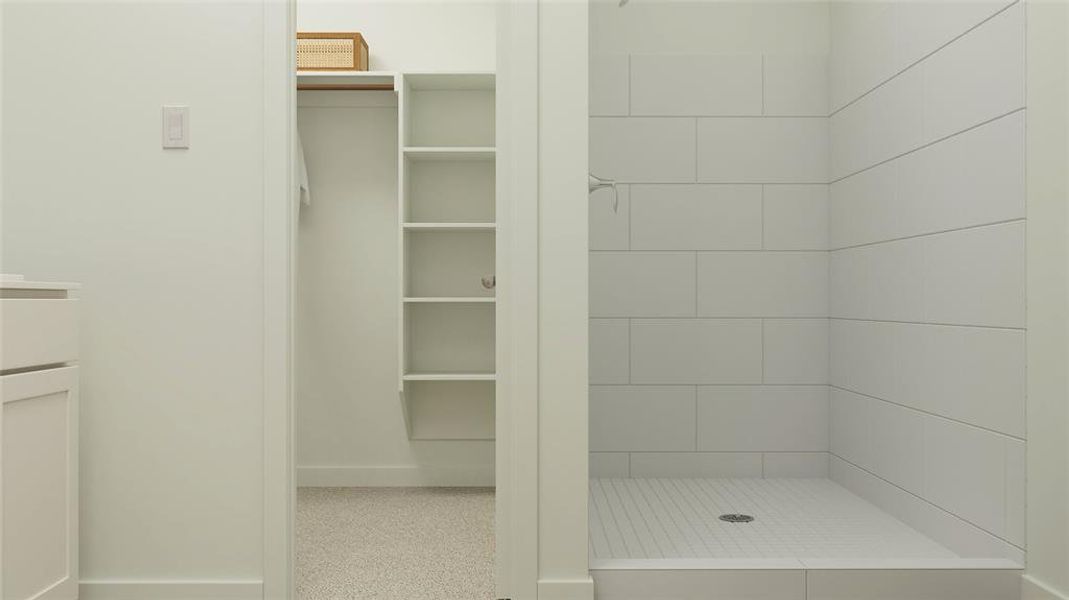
[{"x": 176, "y": 127}]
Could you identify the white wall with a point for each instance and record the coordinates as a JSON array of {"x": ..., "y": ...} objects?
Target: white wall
[
  {"x": 708, "y": 289},
  {"x": 168, "y": 246},
  {"x": 928, "y": 266},
  {"x": 412, "y": 35}
]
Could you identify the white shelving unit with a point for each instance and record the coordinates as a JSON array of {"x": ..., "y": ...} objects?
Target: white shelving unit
[{"x": 447, "y": 230}]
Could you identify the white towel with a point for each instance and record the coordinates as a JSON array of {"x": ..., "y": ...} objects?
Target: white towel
[{"x": 304, "y": 190}]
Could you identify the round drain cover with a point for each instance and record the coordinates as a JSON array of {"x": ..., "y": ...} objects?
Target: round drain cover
[{"x": 736, "y": 518}]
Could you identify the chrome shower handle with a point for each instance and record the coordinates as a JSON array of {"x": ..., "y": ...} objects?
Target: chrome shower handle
[{"x": 596, "y": 183}]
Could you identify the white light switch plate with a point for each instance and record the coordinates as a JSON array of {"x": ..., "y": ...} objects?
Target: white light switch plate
[{"x": 176, "y": 127}]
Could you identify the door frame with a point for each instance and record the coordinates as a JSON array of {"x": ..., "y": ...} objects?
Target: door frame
[
  {"x": 516, "y": 405},
  {"x": 279, "y": 235},
  {"x": 1047, "y": 574},
  {"x": 541, "y": 452},
  {"x": 542, "y": 141}
]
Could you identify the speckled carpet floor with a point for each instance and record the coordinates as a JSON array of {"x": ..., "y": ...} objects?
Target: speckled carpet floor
[{"x": 395, "y": 544}]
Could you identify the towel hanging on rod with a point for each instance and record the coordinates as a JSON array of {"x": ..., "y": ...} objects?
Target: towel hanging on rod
[{"x": 304, "y": 190}]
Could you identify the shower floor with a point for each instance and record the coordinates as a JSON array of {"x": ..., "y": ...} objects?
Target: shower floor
[{"x": 793, "y": 519}]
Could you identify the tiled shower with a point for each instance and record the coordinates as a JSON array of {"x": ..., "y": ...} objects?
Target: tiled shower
[{"x": 813, "y": 285}]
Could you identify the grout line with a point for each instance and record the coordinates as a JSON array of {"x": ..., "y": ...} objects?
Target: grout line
[
  {"x": 922, "y": 499},
  {"x": 928, "y": 144},
  {"x": 629, "y": 86},
  {"x": 931, "y": 233},
  {"x": 930, "y": 414},
  {"x": 921, "y": 59},
  {"x": 931, "y": 324}
]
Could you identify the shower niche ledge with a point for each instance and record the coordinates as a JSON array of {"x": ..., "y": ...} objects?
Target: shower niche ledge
[{"x": 448, "y": 232}]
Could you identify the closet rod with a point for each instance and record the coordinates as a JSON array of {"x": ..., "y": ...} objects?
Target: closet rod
[{"x": 386, "y": 87}]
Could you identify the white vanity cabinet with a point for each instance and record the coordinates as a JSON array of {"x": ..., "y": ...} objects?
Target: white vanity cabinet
[{"x": 38, "y": 440}]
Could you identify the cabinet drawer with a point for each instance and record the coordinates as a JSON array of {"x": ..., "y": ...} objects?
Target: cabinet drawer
[{"x": 36, "y": 332}]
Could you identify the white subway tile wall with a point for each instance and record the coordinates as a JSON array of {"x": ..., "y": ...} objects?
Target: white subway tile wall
[
  {"x": 680, "y": 85},
  {"x": 610, "y": 340},
  {"x": 776, "y": 418},
  {"x": 709, "y": 325},
  {"x": 756, "y": 284},
  {"x": 820, "y": 256},
  {"x": 696, "y": 351},
  {"x": 643, "y": 150},
  {"x": 762, "y": 150},
  {"x": 642, "y": 284},
  {"x": 696, "y": 464},
  {"x": 927, "y": 284},
  {"x": 796, "y": 85},
  {"x": 796, "y": 351},
  {"x": 610, "y": 219},
  {"x": 796, "y": 465},
  {"x": 652, "y": 418},
  {"x": 796, "y": 217},
  {"x": 695, "y": 217}
]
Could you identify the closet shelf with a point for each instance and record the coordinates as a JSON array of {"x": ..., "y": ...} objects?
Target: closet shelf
[
  {"x": 451, "y": 300},
  {"x": 451, "y": 81},
  {"x": 450, "y": 226},
  {"x": 450, "y": 377},
  {"x": 450, "y": 152},
  {"x": 345, "y": 80}
]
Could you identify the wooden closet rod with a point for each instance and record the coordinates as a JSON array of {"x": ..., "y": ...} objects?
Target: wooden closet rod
[{"x": 384, "y": 87}]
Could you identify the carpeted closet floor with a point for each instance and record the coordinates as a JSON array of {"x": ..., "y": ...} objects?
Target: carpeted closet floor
[{"x": 395, "y": 544}]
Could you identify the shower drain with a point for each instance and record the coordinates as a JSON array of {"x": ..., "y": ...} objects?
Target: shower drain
[{"x": 736, "y": 518}]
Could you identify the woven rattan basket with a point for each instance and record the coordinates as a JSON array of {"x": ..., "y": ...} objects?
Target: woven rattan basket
[{"x": 341, "y": 51}]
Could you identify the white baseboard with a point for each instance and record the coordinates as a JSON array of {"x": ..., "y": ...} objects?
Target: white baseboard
[
  {"x": 1031, "y": 589},
  {"x": 170, "y": 590},
  {"x": 414, "y": 476},
  {"x": 566, "y": 589}
]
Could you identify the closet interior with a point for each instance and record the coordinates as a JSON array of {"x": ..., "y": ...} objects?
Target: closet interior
[{"x": 396, "y": 334}]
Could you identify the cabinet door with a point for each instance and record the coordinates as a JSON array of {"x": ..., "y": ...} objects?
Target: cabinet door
[{"x": 39, "y": 485}]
